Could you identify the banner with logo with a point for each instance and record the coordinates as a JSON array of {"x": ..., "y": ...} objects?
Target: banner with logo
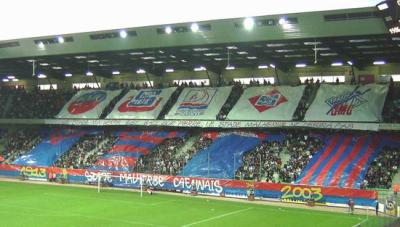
[
  {"x": 348, "y": 103},
  {"x": 88, "y": 104},
  {"x": 391, "y": 207},
  {"x": 202, "y": 103},
  {"x": 141, "y": 104},
  {"x": 267, "y": 103},
  {"x": 208, "y": 186}
]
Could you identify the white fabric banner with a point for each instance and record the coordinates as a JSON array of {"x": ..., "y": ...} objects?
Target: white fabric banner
[
  {"x": 88, "y": 104},
  {"x": 141, "y": 104},
  {"x": 267, "y": 103},
  {"x": 348, "y": 103},
  {"x": 203, "y": 103}
]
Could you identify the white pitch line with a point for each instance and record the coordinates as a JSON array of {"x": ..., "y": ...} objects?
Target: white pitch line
[
  {"x": 359, "y": 224},
  {"x": 216, "y": 217}
]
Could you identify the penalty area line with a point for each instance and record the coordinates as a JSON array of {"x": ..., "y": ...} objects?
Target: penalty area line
[{"x": 216, "y": 217}]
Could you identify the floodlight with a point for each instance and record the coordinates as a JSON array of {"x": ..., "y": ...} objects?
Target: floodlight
[{"x": 248, "y": 23}]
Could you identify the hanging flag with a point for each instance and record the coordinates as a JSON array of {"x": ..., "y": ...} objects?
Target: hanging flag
[
  {"x": 88, "y": 104},
  {"x": 348, "y": 103},
  {"x": 141, "y": 104},
  {"x": 130, "y": 147},
  {"x": 203, "y": 103},
  {"x": 267, "y": 103}
]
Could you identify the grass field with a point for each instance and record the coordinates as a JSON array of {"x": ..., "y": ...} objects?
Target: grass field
[{"x": 23, "y": 204}]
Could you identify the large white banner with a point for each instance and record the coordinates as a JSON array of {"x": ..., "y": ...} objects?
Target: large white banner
[
  {"x": 141, "y": 104},
  {"x": 267, "y": 103},
  {"x": 203, "y": 103},
  {"x": 88, "y": 104},
  {"x": 348, "y": 103}
]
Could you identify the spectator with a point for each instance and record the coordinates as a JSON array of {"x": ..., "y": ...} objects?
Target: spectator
[
  {"x": 237, "y": 91},
  {"x": 18, "y": 143},
  {"x": 265, "y": 162},
  {"x": 165, "y": 159},
  {"x": 37, "y": 104},
  {"x": 87, "y": 151},
  {"x": 382, "y": 170}
]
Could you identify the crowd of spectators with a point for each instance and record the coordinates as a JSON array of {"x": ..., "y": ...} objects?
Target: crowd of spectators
[
  {"x": 17, "y": 143},
  {"x": 264, "y": 163},
  {"x": 46, "y": 104},
  {"x": 4, "y": 94},
  {"x": 382, "y": 170},
  {"x": 165, "y": 159},
  {"x": 301, "y": 148},
  {"x": 36, "y": 104},
  {"x": 170, "y": 103},
  {"x": 78, "y": 157},
  {"x": 391, "y": 111},
  {"x": 108, "y": 109},
  {"x": 237, "y": 91},
  {"x": 308, "y": 96}
]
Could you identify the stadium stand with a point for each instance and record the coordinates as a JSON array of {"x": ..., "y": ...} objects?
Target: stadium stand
[
  {"x": 382, "y": 170},
  {"x": 280, "y": 161},
  {"x": 222, "y": 158},
  {"x": 20, "y": 103},
  {"x": 101, "y": 149},
  {"x": 17, "y": 143},
  {"x": 315, "y": 158},
  {"x": 171, "y": 156},
  {"x": 237, "y": 91},
  {"x": 309, "y": 94},
  {"x": 86, "y": 151},
  {"x": 320, "y": 133},
  {"x": 130, "y": 146},
  {"x": 391, "y": 112},
  {"x": 113, "y": 102},
  {"x": 170, "y": 102},
  {"x": 36, "y": 104},
  {"x": 344, "y": 160},
  {"x": 53, "y": 144},
  {"x": 4, "y": 96},
  {"x": 164, "y": 158}
]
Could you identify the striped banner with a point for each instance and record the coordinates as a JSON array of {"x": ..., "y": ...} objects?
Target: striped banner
[
  {"x": 343, "y": 162},
  {"x": 130, "y": 147}
]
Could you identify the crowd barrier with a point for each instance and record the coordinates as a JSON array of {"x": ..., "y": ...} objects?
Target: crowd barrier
[{"x": 207, "y": 186}]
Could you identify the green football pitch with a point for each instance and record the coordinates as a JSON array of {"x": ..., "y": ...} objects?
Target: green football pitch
[{"x": 23, "y": 204}]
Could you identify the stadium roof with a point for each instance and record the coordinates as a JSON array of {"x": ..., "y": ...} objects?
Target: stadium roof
[
  {"x": 25, "y": 19},
  {"x": 350, "y": 35}
]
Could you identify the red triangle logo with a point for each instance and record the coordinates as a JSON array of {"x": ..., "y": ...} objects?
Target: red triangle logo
[{"x": 270, "y": 100}]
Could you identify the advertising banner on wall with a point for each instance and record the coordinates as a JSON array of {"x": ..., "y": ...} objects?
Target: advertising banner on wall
[{"x": 207, "y": 186}]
